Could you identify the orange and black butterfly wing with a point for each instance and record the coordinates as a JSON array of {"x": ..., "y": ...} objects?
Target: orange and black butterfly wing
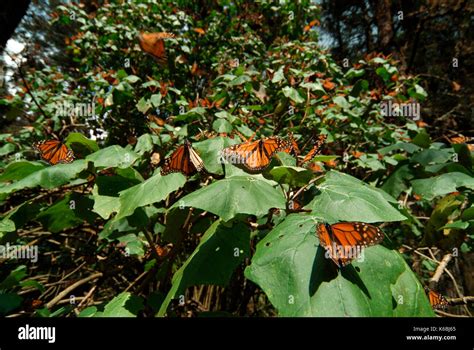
[
  {"x": 437, "y": 300},
  {"x": 184, "y": 160},
  {"x": 344, "y": 240},
  {"x": 54, "y": 152},
  {"x": 315, "y": 150},
  {"x": 333, "y": 248},
  {"x": 154, "y": 45},
  {"x": 256, "y": 155},
  {"x": 176, "y": 162},
  {"x": 292, "y": 146}
]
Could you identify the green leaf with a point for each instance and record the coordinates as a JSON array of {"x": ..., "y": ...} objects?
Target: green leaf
[
  {"x": 143, "y": 105},
  {"x": 221, "y": 126},
  {"x": 433, "y": 156},
  {"x": 144, "y": 144},
  {"x": 293, "y": 272},
  {"x": 422, "y": 139},
  {"x": 346, "y": 198},
  {"x": 359, "y": 87},
  {"x": 67, "y": 213},
  {"x": 131, "y": 79},
  {"x": 19, "y": 170},
  {"x": 316, "y": 86},
  {"x": 155, "y": 99},
  {"x": 153, "y": 190},
  {"x": 293, "y": 94},
  {"x": 279, "y": 75},
  {"x": 210, "y": 149},
  {"x": 7, "y": 225},
  {"x": 221, "y": 250},
  {"x": 9, "y": 302},
  {"x": 14, "y": 277},
  {"x": 106, "y": 205},
  {"x": 7, "y": 149},
  {"x": 293, "y": 176},
  {"x": 417, "y": 92},
  {"x": 443, "y": 184},
  {"x": 461, "y": 225},
  {"x": 236, "y": 195},
  {"x": 50, "y": 177},
  {"x": 468, "y": 214},
  {"x": 76, "y": 140},
  {"x": 112, "y": 157},
  {"x": 342, "y": 102},
  {"x": 398, "y": 181},
  {"x": 88, "y": 312},
  {"x": 123, "y": 305},
  {"x": 409, "y": 147}
]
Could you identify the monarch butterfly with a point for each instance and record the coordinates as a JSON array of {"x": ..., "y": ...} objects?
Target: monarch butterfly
[
  {"x": 255, "y": 155},
  {"x": 315, "y": 150},
  {"x": 293, "y": 146},
  {"x": 54, "y": 151},
  {"x": 343, "y": 241},
  {"x": 437, "y": 300},
  {"x": 154, "y": 45},
  {"x": 184, "y": 160}
]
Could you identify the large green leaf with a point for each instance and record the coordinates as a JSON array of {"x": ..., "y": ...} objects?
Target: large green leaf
[
  {"x": 221, "y": 250},
  {"x": 210, "y": 149},
  {"x": 236, "y": 195},
  {"x": 153, "y": 190},
  {"x": 344, "y": 197},
  {"x": 67, "y": 213},
  {"x": 18, "y": 170},
  {"x": 299, "y": 280},
  {"x": 79, "y": 142},
  {"x": 398, "y": 181},
  {"x": 293, "y": 176},
  {"x": 50, "y": 177},
  {"x": 442, "y": 184},
  {"x": 123, "y": 305},
  {"x": 293, "y": 94},
  {"x": 113, "y": 156}
]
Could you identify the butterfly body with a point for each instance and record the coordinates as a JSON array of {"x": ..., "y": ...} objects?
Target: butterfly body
[
  {"x": 344, "y": 241},
  {"x": 255, "y": 155},
  {"x": 54, "y": 152},
  {"x": 184, "y": 160}
]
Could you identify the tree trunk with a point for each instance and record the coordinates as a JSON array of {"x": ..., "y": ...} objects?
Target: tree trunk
[{"x": 11, "y": 13}]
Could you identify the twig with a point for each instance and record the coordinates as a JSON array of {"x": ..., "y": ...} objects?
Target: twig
[
  {"x": 26, "y": 86},
  {"x": 87, "y": 296},
  {"x": 461, "y": 301},
  {"x": 441, "y": 267},
  {"x": 305, "y": 186},
  {"x": 69, "y": 289},
  {"x": 447, "y": 314},
  {"x": 143, "y": 274}
]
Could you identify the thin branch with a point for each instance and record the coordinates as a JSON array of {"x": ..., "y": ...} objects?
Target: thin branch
[
  {"x": 441, "y": 268},
  {"x": 22, "y": 76},
  {"x": 73, "y": 286}
]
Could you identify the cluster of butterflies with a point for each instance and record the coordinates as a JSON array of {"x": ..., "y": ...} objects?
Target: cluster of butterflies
[
  {"x": 340, "y": 240},
  {"x": 254, "y": 156}
]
